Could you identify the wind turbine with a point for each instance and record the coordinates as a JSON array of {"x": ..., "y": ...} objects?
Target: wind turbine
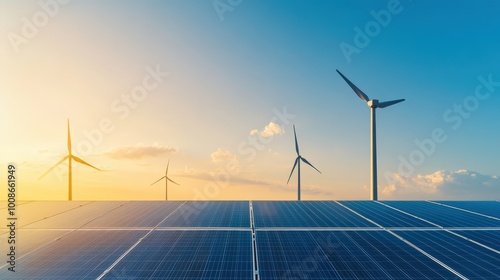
[
  {"x": 70, "y": 157},
  {"x": 373, "y": 104},
  {"x": 166, "y": 181},
  {"x": 297, "y": 163}
]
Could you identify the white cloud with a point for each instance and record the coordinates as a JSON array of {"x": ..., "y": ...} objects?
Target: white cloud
[
  {"x": 442, "y": 184},
  {"x": 269, "y": 130},
  {"x": 272, "y": 129},
  {"x": 140, "y": 151},
  {"x": 223, "y": 155},
  {"x": 273, "y": 152}
]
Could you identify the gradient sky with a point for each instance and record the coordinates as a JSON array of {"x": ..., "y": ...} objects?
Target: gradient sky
[{"x": 231, "y": 68}]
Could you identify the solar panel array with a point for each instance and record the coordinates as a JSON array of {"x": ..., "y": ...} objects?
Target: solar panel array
[{"x": 256, "y": 240}]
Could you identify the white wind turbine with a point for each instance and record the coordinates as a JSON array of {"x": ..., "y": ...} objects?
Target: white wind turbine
[
  {"x": 166, "y": 181},
  {"x": 373, "y": 104},
  {"x": 70, "y": 157},
  {"x": 297, "y": 163}
]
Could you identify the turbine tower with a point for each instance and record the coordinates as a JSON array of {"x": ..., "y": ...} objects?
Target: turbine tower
[
  {"x": 70, "y": 157},
  {"x": 166, "y": 181},
  {"x": 297, "y": 163},
  {"x": 373, "y": 104}
]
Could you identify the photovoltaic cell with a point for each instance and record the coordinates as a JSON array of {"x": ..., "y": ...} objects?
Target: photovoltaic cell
[
  {"x": 4, "y": 205},
  {"x": 76, "y": 217},
  {"x": 383, "y": 215},
  {"x": 31, "y": 239},
  {"x": 490, "y": 238},
  {"x": 135, "y": 214},
  {"x": 442, "y": 215},
  {"x": 469, "y": 259},
  {"x": 342, "y": 255},
  {"x": 490, "y": 208},
  {"x": 269, "y": 214},
  {"x": 180, "y": 254},
  {"x": 40, "y": 210},
  {"x": 82, "y": 254},
  {"x": 212, "y": 240},
  {"x": 210, "y": 214}
]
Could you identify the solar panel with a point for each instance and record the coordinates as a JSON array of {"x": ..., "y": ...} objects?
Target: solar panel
[
  {"x": 29, "y": 240},
  {"x": 135, "y": 214},
  {"x": 341, "y": 255},
  {"x": 31, "y": 212},
  {"x": 467, "y": 258},
  {"x": 78, "y": 255},
  {"x": 490, "y": 208},
  {"x": 76, "y": 217},
  {"x": 176, "y": 254},
  {"x": 295, "y": 240},
  {"x": 383, "y": 215},
  {"x": 210, "y": 214},
  {"x": 305, "y": 214},
  {"x": 442, "y": 215},
  {"x": 490, "y": 238}
]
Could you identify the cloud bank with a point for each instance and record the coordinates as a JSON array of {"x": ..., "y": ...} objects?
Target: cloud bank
[
  {"x": 222, "y": 155},
  {"x": 461, "y": 184},
  {"x": 141, "y": 151}
]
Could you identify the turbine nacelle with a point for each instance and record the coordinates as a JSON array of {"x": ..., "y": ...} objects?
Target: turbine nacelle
[{"x": 372, "y": 103}]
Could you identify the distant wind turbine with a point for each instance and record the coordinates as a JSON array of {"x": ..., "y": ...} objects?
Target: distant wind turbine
[
  {"x": 70, "y": 157},
  {"x": 297, "y": 163},
  {"x": 166, "y": 181},
  {"x": 373, "y": 104}
]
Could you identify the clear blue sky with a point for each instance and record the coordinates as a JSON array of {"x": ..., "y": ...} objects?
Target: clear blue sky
[{"x": 230, "y": 66}]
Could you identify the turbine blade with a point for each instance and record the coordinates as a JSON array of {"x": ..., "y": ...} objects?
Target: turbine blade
[
  {"x": 172, "y": 181},
  {"x": 307, "y": 162},
  {"x": 361, "y": 94},
  {"x": 295, "y": 164},
  {"x": 158, "y": 180},
  {"x": 296, "y": 143},
  {"x": 69, "y": 139},
  {"x": 389, "y": 103},
  {"x": 166, "y": 170},
  {"x": 64, "y": 158},
  {"x": 84, "y": 162}
]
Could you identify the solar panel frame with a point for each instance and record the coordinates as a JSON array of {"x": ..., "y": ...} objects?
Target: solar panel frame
[
  {"x": 490, "y": 238},
  {"x": 78, "y": 217},
  {"x": 135, "y": 214},
  {"x": 31, "y": 212},
  {"x": 442, "y": 215},
  {"x": 310, "y": 221},
  {"x": 82, "y": 254},
  {"x": 467, "y": 258},
  {"x": 342, "y": 255},
  {"x": 196, "y": 254},
  {"x": 489, "y": 208},
  {"x": 269, "y": 214},
  {"x": 31, "y": 239},
  {"x": 383, "y": 215},
  {"x": 210, "y": 214}
]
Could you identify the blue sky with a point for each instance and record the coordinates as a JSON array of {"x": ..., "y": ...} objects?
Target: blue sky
[{"x": 230, "y": 70}]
